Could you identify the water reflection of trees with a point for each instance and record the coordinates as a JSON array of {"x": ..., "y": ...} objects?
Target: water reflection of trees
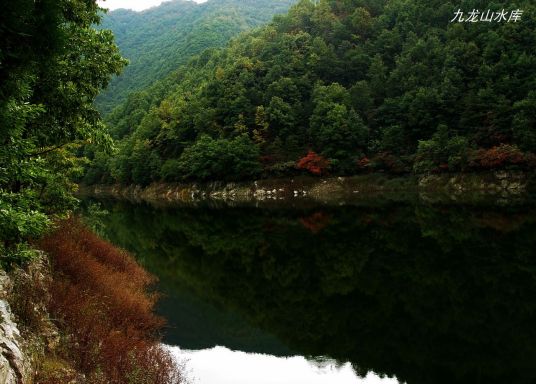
[{"x": 430, "y": 294}]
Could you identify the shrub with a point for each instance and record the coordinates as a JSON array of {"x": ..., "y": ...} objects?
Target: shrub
[
  {"x": 103, "y": 303},
  {"x": 500, "y": 156},
  {"x": 314, "y": 164},
  {"x": 19, "y": 221},
  {"x": 29, "y": 295}
]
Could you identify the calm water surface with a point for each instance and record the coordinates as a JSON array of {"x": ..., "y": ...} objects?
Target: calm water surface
[{"x": 383, "y": 292}]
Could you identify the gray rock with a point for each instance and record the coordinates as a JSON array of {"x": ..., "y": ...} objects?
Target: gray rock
[{"x": 12, "y": 367}]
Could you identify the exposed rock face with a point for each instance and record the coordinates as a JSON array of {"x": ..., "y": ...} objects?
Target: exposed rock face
[
  {"x": 12, "y": 361},
  {"x": 32, "y": 357}
]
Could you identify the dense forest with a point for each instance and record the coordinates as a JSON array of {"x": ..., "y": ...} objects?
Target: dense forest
[
  {"x": 339, "y": 87},
  {"x": 160, "y": 39}
]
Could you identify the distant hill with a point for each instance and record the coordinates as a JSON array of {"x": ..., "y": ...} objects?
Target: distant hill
[{"x": 160, "y": 39}]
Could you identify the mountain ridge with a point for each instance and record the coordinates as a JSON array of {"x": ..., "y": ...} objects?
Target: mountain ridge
[{"x": 158, "y": 40}]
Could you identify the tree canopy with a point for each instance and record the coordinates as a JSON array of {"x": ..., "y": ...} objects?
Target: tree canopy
[
  {"x": 53, "y": 63},
  {"x": 160, "y": 39},
  {"x": 370, "y": 85}
]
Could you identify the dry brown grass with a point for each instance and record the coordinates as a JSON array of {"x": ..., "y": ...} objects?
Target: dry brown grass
[{"x": 102, "y": 302}]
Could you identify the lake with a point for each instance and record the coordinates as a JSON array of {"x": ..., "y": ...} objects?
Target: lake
[{"x": 381, "y": 291}]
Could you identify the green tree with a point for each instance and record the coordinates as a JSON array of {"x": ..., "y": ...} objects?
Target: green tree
[
  {"x": 54, "y": 63},
  {"x": 524, "y": 125},
  {"x": 336, "y": 129},
  {"x": 442, "y": 152},
  {"x": 221, "y": 159}
]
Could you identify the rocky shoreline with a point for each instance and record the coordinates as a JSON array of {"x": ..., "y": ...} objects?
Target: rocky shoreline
[
  {"x": 52, "y": 332},
  {"x": 13, "y": 363},
  {"x": 490, "y": 185},
  {"x": 27, "y": 335}
]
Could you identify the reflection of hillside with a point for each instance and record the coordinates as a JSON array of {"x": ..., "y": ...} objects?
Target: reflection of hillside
[
  {"x": 196, "y": 324},
  {"x": 193, "y": 322},
  {"x": 429, "y": 294}
]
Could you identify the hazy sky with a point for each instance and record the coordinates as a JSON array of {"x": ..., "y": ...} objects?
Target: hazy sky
[{"x": 137, "y": 5}]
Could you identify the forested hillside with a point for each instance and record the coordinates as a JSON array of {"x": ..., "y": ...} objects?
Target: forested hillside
[
  {"x": 160, "y": 39},
  {"x": 340, "y": 87}
]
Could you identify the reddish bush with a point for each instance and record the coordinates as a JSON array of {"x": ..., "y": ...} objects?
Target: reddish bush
[
  {"x": 497, "y": 157},
  {"x": 314, "y": 163},
  {"x": 102, "y": 300}
]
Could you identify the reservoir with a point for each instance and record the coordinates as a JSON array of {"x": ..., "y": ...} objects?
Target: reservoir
[{"x": 382, "y": 291}]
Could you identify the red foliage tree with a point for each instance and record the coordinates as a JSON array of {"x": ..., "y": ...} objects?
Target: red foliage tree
[
  {"x": 498, "y": 157},
  {"x": 313, "y": 163}
]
